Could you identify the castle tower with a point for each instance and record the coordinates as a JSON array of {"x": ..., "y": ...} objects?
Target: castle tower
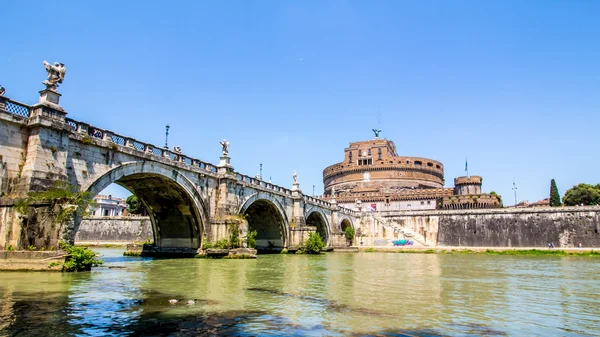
[{"x": 467, "y": 185}]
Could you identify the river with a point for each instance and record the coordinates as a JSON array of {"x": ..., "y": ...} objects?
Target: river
[{"x": 335, "y": 294}]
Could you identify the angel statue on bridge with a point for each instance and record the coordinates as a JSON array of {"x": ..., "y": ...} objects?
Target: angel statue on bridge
[
  {"x": 225, "y": 147},
  {"x": 56, "y": 74}
]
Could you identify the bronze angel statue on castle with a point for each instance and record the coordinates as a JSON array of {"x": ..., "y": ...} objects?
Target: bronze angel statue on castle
[{"x": 56, "y": 74}]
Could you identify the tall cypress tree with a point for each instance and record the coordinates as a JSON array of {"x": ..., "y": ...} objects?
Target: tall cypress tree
[{"x": 554, "y": 196}]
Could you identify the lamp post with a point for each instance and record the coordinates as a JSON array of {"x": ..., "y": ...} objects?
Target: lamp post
[
  {"x": 515, "y": 189},
  {"x": 313, "y": 190},
  {"x": 167, "y": 136},
  {"x": 260, "y": 175}
]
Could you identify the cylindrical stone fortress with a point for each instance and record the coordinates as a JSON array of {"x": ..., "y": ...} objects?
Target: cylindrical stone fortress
[{"x": 374, "y": 166}]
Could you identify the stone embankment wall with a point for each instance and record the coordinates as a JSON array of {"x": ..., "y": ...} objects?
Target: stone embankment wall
[
  {"x": 507, "y": 227},
  {"x": 114, "y": 229}
]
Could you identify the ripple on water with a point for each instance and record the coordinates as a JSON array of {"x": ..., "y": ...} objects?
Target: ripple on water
[{"x": 333, "y": 294}]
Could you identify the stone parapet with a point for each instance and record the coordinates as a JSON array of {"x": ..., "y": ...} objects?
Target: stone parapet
[
  {"x": 468, "y": 180},
  {"x": 506, "y": 210},
  {"x": 421, "y": 194}
]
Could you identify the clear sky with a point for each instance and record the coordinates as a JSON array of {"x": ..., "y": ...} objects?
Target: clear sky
[{"x": 514, "y": 86}]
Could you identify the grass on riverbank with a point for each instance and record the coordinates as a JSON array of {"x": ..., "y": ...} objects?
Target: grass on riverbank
[{"x": 535, "y": 252}]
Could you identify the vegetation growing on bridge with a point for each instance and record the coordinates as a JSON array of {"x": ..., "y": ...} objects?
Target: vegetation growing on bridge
[
  {"x": 314, "y": 244},
  {"x": 349, "y": 233},
  {"x": 65, "y": 201},
  {"x": 252, "y": 239},
  {"x": 234, "y": 235}
]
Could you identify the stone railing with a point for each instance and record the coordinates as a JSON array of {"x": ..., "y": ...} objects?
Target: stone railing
[
  {"x": 350, "y": 211},
  {"x": 321, "y": 202},
  {"x": 260, "y": 183},
  {"x": 316, "y": 201},
  {"x": 109, "y": 136},
  {"x": 88, "y": 130},
  {"x": 14, "y": 107}
]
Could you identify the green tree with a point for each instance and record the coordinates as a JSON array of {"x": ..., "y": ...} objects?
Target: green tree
[
  {"x": 134, "y": 206},
  {"x": 314, "y": 244},
  {"x": 554, "y": 196},
  {"x": 585, "y": 194}
]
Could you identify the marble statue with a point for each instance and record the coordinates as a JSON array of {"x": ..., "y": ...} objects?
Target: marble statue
[
  {"x": 177, "y": 149},
  {"x": 377, "y": 132},
  {"x": 56, "y": 74},
  {"x": 225, "y": 147},
  {"x": 295, "y": 176},
  {"x": 2, "y": 90}
]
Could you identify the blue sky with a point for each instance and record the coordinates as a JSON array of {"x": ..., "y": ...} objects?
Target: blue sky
[{"x": 512, "y": 85}]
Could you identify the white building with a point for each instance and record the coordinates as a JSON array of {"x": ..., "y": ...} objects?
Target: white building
[{"x": 109, "y": 206}]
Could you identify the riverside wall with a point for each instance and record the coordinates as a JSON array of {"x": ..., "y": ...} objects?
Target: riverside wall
[
  {"x": 114, "y": 229},
  {"x": 506, "y": 227}
]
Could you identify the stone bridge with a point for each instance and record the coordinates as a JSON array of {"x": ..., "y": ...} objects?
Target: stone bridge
[{"x": 189, "y": 201}]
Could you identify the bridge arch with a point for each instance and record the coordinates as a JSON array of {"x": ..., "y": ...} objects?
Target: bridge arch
[
  {"x": 176, "y": 209},
  {"x": 267, "y": 216},
  {"x": 345, "y": 222},
  {"x": 316, "y": 217}
]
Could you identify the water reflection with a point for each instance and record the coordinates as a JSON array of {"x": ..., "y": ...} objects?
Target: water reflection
[{"x": 334, "y": 294}]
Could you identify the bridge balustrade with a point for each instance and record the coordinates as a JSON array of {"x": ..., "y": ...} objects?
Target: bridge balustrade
[
  {"x": 14, "y": 107},
  {"x": 24, "y": 110}
]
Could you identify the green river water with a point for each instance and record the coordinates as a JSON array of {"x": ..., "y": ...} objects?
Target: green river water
[{"x": 335, "y": 294}]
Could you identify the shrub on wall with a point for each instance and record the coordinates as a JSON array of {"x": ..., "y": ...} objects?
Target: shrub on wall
[
  {"x": 234, "y": 235},
  {"x": 349, "y": 233},
  {"x": 494, "y": 194},
  {"x": 314, "y": 244},
  {"x": 252, "y": 239},
  {"x": 65, "y": 201}
]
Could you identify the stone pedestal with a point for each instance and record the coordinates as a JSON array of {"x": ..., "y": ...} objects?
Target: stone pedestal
[
  {"x": 48, "y": 105},
  {"x": 49, "y": 96},
  {"x": 296, "y": 187},
  {"x": 224, "y": 165}
]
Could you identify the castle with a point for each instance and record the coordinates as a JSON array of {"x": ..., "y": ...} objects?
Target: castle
[{"x": 374, "y": 177}]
